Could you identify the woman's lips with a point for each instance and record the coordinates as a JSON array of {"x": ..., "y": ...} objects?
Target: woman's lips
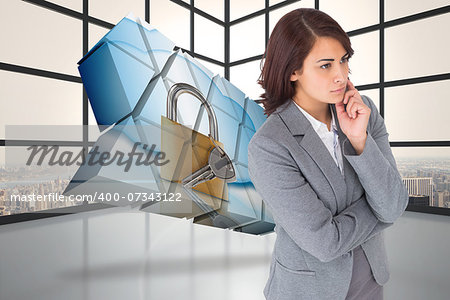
[{"x": 339, "y": 90}]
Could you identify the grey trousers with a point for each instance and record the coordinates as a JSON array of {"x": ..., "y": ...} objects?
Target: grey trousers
[{"x": 363, "y": 286}]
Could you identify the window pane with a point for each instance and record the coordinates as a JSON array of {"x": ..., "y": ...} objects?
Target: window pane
[
  {"x": 95, "y": 34},
  {"x": 216, "y": 69},
  {"x": 214, "y": 8},
  {"x": 425, "y": 172},
  {"x": 209, "y": 38},
  {"x": 172, "y": 20},
  {"x": 273, "y": 2},
  {"x": 374, "y": 95},
  {"x": 418, "y": 111},
  {"x": 71, "y": 4},
  {"x": 413, "y": 50},
  {"x": 400, "y": 8},
  {"x": 277, "y": 14},
  {"x": 239, "y": 9},
  {"x": 43, "y": 182},
  {"x": 116, "y": 10},
  {"x": 344, "y": 12},
  {"x": 247, "y": 38},
  {"x": 43, "y": 102},
  {"x": 364, "y": 64},
  {"x": 245, "y": 76},
  {"x": 40, "y": 38}
]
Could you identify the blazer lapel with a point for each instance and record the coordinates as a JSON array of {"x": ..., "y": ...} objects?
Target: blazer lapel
[
  {"x": 349, "y": 172},
  {"x": 310, "y": 141}
]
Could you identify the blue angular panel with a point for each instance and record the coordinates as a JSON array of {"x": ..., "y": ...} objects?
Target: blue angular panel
[
  {"x": 149, "y": 133},
  {"x": 242, "y": 172},
  {"x": 178, "y": 71},
  {"x": 218, "y": 97},
  {"x": 228, "y": 130},
  {"x": 141, "y": 37},
  {"x": 110, "y": 104},
  {"x": 255, "y": 115},
  {"x": 184, "y": 69},
  {"x": 179, "y": 68},
  {"x": 245, "y": 136},
  {"x": 117, "y": 70},
  {"x": 127, "y": 76},
  {"x": 201, "y": 75},
  {"x": 155, "y": 105},
  {"x": 119, "y": 179},
  {"x": 236, "y": 97},
  {"x": 240, "y": 202},
  {"x": 129, "y": 128}
]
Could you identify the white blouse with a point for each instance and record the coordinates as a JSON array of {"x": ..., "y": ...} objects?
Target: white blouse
[{"x": 329, "y": 138}]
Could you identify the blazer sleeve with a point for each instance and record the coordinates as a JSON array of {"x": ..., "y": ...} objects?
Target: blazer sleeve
[
  {"x": 377, "y": 170},
  {"x": 296, "y": 207}
]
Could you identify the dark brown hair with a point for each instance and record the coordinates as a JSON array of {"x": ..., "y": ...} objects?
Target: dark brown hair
[{"x": 289, "y": 44}]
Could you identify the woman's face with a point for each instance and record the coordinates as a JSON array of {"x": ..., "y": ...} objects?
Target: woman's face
[{"x": 325, "y": 70}]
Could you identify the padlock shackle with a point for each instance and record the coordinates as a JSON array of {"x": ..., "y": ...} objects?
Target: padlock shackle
[{"x": 176, "y": 90}]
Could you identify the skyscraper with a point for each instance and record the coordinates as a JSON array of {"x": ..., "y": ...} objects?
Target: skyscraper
[{"x": 420, "y": 186}]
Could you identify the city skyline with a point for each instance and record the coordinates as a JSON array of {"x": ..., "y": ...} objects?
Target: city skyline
[{"x": 436, "y": 170}]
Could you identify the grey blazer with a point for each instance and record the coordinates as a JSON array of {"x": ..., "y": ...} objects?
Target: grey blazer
[{"x": 321, "y": 216}]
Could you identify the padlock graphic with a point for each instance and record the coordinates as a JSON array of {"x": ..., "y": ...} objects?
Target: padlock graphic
[{"x": 196, "y": 161}]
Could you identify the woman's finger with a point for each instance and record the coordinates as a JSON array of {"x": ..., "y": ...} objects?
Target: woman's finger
[
  {"x": 349, "y": 87},
  {"x": 349, "y": 107},
  {"x": 359, "y": 107},
  {"x": 348, "y": 94},
  {"x": 340, "y": 110},
  {"x": 356, "y": 106},
  {"x": 353, "y": 106}
]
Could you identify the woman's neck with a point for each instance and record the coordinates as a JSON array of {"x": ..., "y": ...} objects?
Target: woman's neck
[{"x": 319, "y": 110}]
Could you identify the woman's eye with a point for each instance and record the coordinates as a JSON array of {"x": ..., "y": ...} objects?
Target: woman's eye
[{"x": 343, "y": 60}]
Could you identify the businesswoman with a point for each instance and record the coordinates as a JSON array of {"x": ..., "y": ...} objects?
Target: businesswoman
[{"x": 323, "y": 165}]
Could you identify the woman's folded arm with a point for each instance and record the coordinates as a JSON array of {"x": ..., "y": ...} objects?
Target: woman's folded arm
[
  {"x": 296, "y": 207},
  {"x": 377, "y": 170}
]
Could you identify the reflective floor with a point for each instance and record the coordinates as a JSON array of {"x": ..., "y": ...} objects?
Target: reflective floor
[{"x": 124, "y": 253}]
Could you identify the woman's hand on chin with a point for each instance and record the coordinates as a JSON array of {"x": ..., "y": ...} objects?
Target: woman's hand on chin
[{"x": 354, "y": 118}]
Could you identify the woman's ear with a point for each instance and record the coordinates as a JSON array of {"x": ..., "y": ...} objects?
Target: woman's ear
[{"x": 294, "y": 76}]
